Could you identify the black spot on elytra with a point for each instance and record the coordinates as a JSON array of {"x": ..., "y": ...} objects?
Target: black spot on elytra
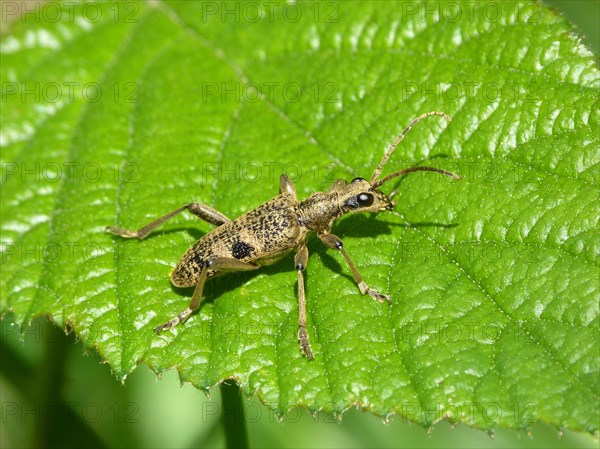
[{"x": 240, "y": 250}]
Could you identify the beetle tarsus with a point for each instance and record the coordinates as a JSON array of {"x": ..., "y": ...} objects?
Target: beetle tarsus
[
  {"x": 122, "y": 232},
  {"x": 304, "y": 344},
  {"x": 180, "y": 318}
]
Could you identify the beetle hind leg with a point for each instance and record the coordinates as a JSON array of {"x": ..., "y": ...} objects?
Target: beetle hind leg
[
  {"x": 194, "y": 304},
  {"x": 215, "y": 264},
  {"x": 201, "y": 211}
]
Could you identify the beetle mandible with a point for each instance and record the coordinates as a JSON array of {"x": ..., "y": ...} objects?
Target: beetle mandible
[{"x": 282, "y": 224}]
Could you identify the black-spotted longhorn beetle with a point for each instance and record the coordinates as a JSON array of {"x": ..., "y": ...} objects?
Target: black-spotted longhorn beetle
[{"x": 282, "y": 224}]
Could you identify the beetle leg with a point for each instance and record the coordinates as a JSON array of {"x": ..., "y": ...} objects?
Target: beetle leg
[
  {"x": 201, "y": 211},
  {"x": 194, "y": 304},
  {"x": 215, "y": 264},
  {"x": 334, "y": 242},
  {"x": 300, "y": 261}
]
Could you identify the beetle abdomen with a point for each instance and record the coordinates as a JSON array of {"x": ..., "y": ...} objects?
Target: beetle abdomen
[{"x": 260, "y": 236}]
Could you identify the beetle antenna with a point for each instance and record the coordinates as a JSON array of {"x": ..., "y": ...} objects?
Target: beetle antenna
[
  {"x": 389, "y": 152},
  {"x": 411, "y": 170}
]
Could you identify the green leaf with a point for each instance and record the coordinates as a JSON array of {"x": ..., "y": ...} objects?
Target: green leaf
[{"x": 494, "y": 279}]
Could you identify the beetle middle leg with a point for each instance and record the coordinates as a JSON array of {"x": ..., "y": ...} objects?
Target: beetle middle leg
[
  {"x": 300, "y": 262},
  {"x": 216, "y": 264},
  {"x": 334, "y": 242},
  {"x": 202, "y": 211}
]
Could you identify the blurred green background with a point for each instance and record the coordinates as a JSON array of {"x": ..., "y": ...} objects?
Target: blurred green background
[
  {"x": 585, "y": 14},
  {"x": 49, "y": 388},
  {"x": 55, "y": 393}
]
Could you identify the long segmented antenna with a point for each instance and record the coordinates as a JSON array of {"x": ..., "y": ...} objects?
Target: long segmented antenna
[
  {"x": 389, "y": 152},
  {"x": 411, "y": 170}
]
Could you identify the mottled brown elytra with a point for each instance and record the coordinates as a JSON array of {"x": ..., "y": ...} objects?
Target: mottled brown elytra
[{"x": 265, "y": 234}]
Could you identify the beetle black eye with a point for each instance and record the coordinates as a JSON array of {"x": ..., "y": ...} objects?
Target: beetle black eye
[
  {"x": 358, "y": 180},
  {"x": 365, "y": 199}
]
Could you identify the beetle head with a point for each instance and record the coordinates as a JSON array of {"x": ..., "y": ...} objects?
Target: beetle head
[{"x": 359, "y": 196}]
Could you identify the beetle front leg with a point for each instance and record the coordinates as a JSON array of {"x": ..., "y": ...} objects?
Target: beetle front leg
[
  {"x": 215, "y": 264},
  {"x": 334, "y": 242},
  {"x": 300, "y": 262}
]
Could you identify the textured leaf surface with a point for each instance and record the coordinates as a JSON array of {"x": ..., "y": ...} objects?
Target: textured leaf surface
[{"x": 494, "y": 279}]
